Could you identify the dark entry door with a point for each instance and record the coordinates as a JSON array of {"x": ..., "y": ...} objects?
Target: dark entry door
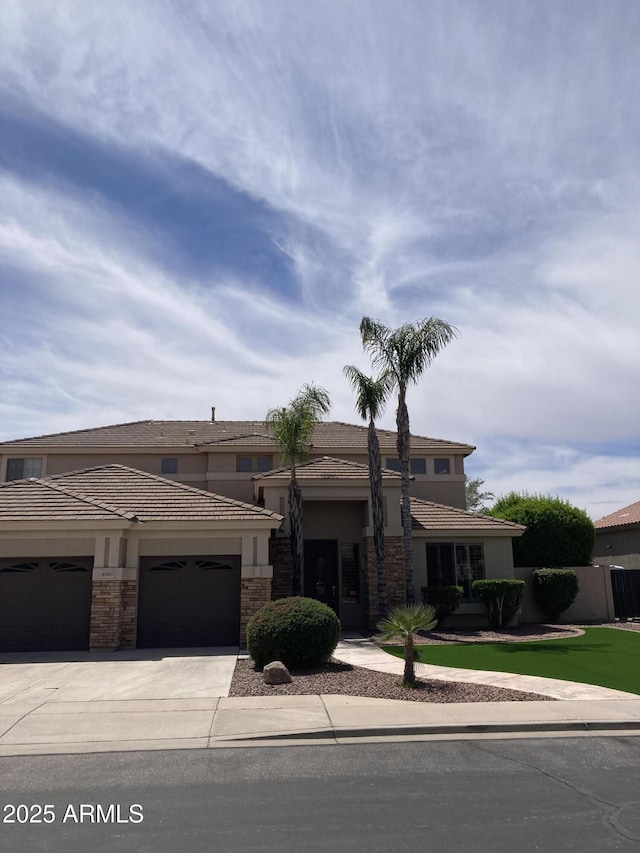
[
  {"x": 321, "y": 571},
  {"x": 45, "y": 604},
  {"x": 189, "y": 602}
]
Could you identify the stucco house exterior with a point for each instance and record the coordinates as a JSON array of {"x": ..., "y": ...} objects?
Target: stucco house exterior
[
  {"x": 172, "y": 533},
  {"x": 618, "y": 538}
]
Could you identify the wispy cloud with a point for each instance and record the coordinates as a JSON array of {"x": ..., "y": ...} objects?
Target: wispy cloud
[{"x": 200, "y": 201}]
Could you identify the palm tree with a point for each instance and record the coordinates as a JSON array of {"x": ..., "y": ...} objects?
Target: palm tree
[
  {"x": 404, "y": 622},
  {"x": 292, "y": 427},
  {"x": 371, "y": 396},
  {"x": 405, "y": 353}
]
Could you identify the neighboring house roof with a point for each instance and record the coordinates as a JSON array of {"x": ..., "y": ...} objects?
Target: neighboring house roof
[
  {"x": 427, "y": 515},
  {"x": 626, "y": 516},
  {"x": 108, "y": 492},
  {"x": 326, "y": 468},
  {"x": 150, "y": 433}
]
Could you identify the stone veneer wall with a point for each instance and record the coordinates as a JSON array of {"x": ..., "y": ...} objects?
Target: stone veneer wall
[
  {"x": 281, "y": 559},
  {"x": 113, "y": 614},
  {"x": 395, "y": 576},
  {"x": 254, "y": 594}
]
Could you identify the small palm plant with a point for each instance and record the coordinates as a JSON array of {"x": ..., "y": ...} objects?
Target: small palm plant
[{"x": 404, "y": 622}]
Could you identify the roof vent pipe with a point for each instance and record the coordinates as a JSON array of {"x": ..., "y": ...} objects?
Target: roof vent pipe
[{"x": 213, "y": 413}]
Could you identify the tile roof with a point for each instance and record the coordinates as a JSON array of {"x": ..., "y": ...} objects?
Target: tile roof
[
  {"x": 627, "y": 515},
  {"x": 326, "y": 468},
  {"x": 108, "y": 492},
  {"x": 328, "y": 435},
  {"x": 427, "y": 515}
]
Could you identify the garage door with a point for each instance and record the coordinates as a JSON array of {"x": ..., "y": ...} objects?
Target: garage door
[
  {"x": 45, "y": 605},
  {"x": 187, "y": 602}
]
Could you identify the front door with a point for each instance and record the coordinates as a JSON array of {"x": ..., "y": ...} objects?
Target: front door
[{"x": 321, "y": 571}]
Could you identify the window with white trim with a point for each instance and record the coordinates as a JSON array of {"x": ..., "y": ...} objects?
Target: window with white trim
[
  {"x": 21, "y": 469},
  {"x": 455, "y": 564}
]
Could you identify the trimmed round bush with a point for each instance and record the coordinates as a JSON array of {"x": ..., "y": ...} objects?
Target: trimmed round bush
[
  {"x": 301, "y": 632},
  {"x": 554, "y": 590}
]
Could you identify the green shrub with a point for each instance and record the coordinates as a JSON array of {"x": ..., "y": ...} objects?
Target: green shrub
[
  {"x": 444, "y": 599},
  {"x": 554, "y": 590},
  {"x": 301, "y": 632},
  {"x": 502, "y": 598},
  {"x": 557, "y": 534}
]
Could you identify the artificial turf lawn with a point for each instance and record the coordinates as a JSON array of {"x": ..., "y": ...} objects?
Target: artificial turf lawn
[{"x": 609, "y": 657}]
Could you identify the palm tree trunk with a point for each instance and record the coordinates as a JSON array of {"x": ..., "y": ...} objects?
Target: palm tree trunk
[
  {"x": 409, "y": 676},
  {"x": 295, "y": 528},
  {"x": 377, "y": 511},
  {"x": 404, "y": 447}
]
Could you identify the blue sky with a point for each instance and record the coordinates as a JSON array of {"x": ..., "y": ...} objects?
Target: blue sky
[{"x": 201, "y": 200}]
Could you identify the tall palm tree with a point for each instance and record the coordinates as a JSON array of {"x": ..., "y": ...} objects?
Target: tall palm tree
[
  {"x": 404, "y": 622},
  {"x": 292, "y": 427},
  {"x": 371, "y": 396},
  {"x": 405, "y": 353}
]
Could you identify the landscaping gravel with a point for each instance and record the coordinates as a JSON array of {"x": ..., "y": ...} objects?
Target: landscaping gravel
[{"x": 342, "y": 678}]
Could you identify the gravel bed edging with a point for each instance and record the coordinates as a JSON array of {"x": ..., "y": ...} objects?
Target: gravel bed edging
[{"x": 340, "y": 678}]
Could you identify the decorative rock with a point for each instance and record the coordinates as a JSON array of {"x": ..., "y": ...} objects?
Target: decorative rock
[{"x": 276, "y": 673}]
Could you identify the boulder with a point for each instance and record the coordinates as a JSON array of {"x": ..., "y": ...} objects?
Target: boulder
[{"x": 276, "y": 673}]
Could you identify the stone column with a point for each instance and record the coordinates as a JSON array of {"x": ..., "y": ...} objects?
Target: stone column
[
  {"x": 255, "y": 592},
  {"x": 114, "y": 599},
  {"x": 394, "y": 573}
]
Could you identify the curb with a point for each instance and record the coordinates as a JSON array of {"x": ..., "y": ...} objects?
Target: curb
[{"x": 442, "y": 729}]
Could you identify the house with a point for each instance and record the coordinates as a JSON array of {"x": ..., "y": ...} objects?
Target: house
[
  {"x": 172, "y": 533},
  {"x": 618, "y": 538}
]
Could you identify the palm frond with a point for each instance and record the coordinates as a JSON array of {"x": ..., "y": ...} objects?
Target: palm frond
[
  {"x": 371, "y": 394},
  {"x": 403, "y": 622}
]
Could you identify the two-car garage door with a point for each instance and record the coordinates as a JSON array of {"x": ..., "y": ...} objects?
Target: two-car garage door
[
  {"x": 189, "y": 601},
  {"x": 45, "y": 604}
]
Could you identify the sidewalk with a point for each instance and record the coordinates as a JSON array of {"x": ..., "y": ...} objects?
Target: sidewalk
[{"x": 41, "y": 725}]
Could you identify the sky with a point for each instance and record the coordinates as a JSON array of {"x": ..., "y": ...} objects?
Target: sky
[{"x": 200, "y": 200}]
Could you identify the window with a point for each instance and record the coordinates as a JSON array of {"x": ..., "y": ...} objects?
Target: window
[
  {"x": 248, "y": 464},
  {"x": 392, "y": 463},
  {"x": 350, "y": 554},
  {"x": 169, "y": 465},
  {"x": 455, "y": 564},
  {"x": 441, "y": 466},
  {"x": 418, "y": 466},
  {"x": 20, "y": 469}
]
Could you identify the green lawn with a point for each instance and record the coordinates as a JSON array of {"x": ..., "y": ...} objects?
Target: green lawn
[{"x": 605, "y": 656}]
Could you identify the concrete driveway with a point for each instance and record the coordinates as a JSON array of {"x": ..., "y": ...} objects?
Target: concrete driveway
[
  {"x": 28, "y": 677},
  {"x": 87, "y": 701}
]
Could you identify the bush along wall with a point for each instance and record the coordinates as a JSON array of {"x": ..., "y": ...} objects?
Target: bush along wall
[
  {"x": 502, "y": 598},
  {"x": 444, "y": 599},
  {"x": 554, "y": 590}
]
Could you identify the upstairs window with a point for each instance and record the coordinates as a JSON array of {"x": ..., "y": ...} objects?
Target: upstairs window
[
  {"x": 392, "y": 463},
  {"x": 254, "y": 464},
  {"x": 441, "y": 466},
  {"x": 418, "y": 466},
  {"x": 20, "y": 469},
  {"x": 169, "y": 465}
]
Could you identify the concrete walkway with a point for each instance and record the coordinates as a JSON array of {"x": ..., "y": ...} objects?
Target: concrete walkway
[
  {"x": 171, "y": 702},
  {"x": 359, "y": 651}
]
